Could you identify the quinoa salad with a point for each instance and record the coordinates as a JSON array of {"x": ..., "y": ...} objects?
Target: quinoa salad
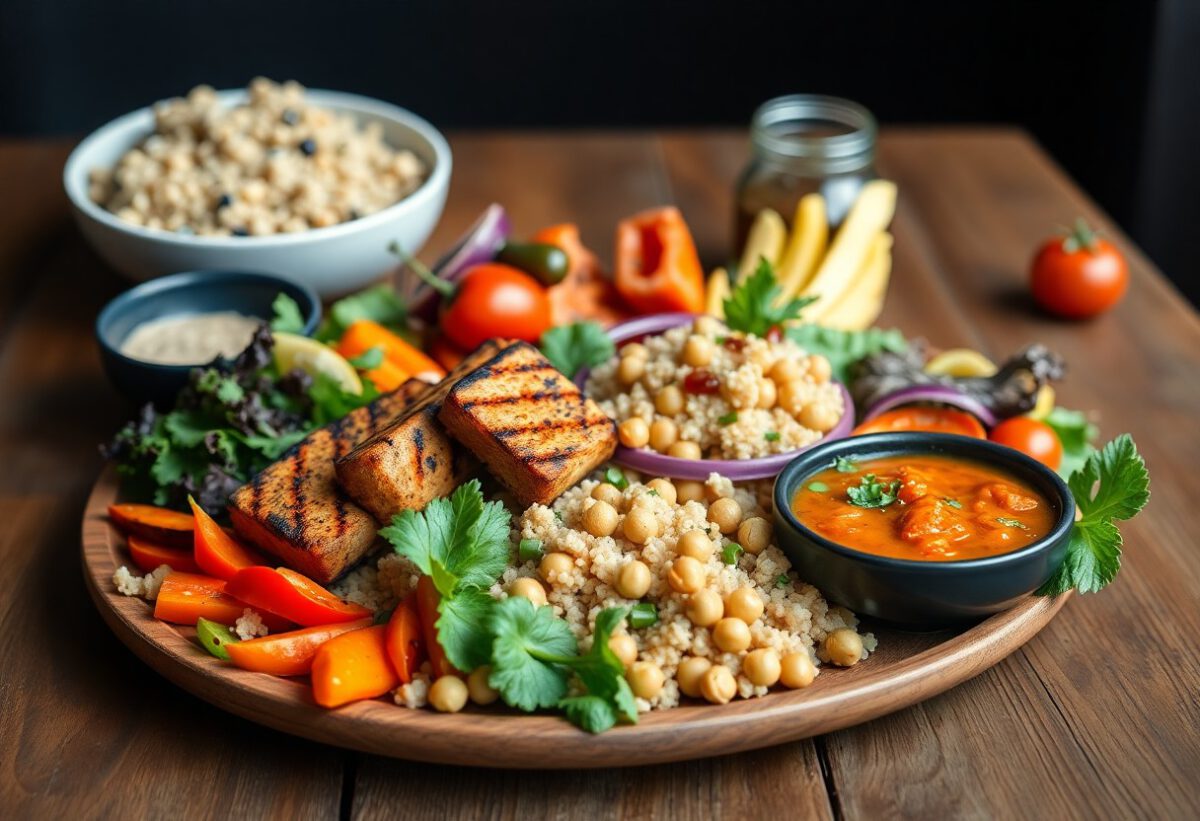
[
  {"x": 274, "y": 164},
  {"x": 704, "y": 391}
]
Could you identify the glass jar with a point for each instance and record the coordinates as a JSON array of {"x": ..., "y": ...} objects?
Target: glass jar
[{"x": 805, "y": 143}]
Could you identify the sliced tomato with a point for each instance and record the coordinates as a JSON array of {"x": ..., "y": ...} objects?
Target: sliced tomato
[
  {"x": 293, "y": 596},
  {"x": 926, "y": 418}
]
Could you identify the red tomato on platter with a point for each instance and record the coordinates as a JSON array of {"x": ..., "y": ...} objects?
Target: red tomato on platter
[
  {"x": 495, "y": 300},
  {"x": 1033, "y": 438}
]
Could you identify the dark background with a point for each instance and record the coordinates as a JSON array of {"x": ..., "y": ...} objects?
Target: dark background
[{"x": 1112, "y": 89}]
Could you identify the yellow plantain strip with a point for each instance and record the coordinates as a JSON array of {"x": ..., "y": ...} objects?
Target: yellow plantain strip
[
  {"x": 766, "y": 238},
  {"x": 716, "y": 291},
  {"x": 859, "y": 307},
  {"x": 806, "y": 246},
  {"x": 869, "y": 216}
]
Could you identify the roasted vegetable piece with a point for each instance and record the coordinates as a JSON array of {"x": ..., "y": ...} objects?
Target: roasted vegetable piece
[
  {"x": 217, "y": 553},
  {"x": 149, "y": 556},
  {"x": 157, "y": 524},
  {"x": 186, "y": 597},
  {"x": 351, "y": 667},
  {"x": 291, "y": 653},
  {"x": 405, "y": 646},
  {"x": 657, "y": 265},
  {"x": 427, "y": 609},
  {"x": 293, "y": 596},
  {"x": 546, "y": 261},
  {"x": 587, "y": 292},
  {"x": 365, "y": 334},
  {"x": 215, "y": 638}
]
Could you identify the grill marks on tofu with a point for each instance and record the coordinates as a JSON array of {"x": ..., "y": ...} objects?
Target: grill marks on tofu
[
  {"x": 530, "y": 424},
  {"x": 294, "y": 510},
  {"x": 412, "y": 461}
]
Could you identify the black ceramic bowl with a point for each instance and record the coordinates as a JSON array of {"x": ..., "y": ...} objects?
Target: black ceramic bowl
[
  {"x": 193, "y": 292},
  {"x": 918, "y": 594}
]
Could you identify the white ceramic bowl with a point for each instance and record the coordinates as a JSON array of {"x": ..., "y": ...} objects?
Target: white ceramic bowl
[{"x": 331, "y": 260}]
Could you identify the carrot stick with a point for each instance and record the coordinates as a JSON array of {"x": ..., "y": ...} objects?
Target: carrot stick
[
  {"x": 288, "y": 654},
  {"x": 405, "y": 646},
  {"x": 364, "y": 335},
  {"x": 427, "y": 608},
  {"x": 158, "y": 524},
  {"x": 149, "y": 556},
  {"x": 353, "y": 666},
  {"x": 217, "y": 553}
]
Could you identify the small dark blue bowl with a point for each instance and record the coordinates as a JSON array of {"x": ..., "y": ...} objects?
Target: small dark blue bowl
[
  {"x": 193, "y": 292},
  {"x": 917, "y": 594}
]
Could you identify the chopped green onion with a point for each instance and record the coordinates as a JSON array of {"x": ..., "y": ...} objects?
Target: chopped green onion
[
  {"x": 213, "y": 637},
  {"x": 782, "y": 580},
  {"x": 771, "y": 436},
  {"x": 818, "y": 487},
  {"x": 954, "y": 503},
  {"x": 1007, "y": 522},
  {"x": 530, "y": 550},
  {"x": 727, "y": 419},
  {"x": 845, "y": 465},
  {"x": 558, "y": 515},
  {"x": 731, "y": 552},
  {"x": 651, "y": 492},
  {"x": 616, "y": 478},
  {"x": 642, "y": 615}
]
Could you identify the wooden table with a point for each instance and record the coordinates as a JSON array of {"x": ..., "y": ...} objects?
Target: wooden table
[{"x": 1097, "y": 716}]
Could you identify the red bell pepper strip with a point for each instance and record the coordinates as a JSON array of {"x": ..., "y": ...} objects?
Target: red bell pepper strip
[
  {"x": 186, "y": 597},
  {"x": 405, "y": 646},
  {"x": 217, "y": 553},
  {"x": 658, "y": 268},
  {"x": 295, "y": 597},
  {"x": 288, "y": 654},
  {"x": 427, "y": 608},
  {"x": 149, "y": 556}
]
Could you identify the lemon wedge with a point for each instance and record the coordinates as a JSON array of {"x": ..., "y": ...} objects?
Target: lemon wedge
[
  {"x": 299, "y": 352},
  {"x": 1045, "y": 403},
  {"x": 960, "y": 363}
]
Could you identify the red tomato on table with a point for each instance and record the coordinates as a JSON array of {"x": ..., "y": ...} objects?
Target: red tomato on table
[{"x": 1079, "y": 275}]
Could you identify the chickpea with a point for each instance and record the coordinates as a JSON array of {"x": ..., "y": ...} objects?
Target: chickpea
[
  {"x": 697, "y": 351},
  {"x": 645, "y": 679},
  {"x": 686, "y": 575},
  {"x": 731, "y": 635},
  {"x": 663, "y": 433},
  {"x": 689, "y": 491},
  {"x": 630, "y": 369},
  {"x": 695, "y": 543},
  {"x": 767, "y": 394},
  {"x": 718, "y": 684},
  {"x": 669, "y": 400},
  {"x": 843, "y": 647},
  {"x": 690, "y": 673},
  {"x": 819, "y": 369},
  {"x": 797, "y": 670},
  {"x": 640, "y": 525},
  {"x": 664, "y": 489},
  {"x": 625, "y": 648},
  {"x": 528, "y": 588},
  {"x": 726, "y": 514},
  {"x": 607, "y": 492},
  {"x": 636, "y": 350},
  {"x": 745, "y": 604},
  {"x": 785, "y": 371},
  {"x": 704, "y": 608},
  {"x": 820, "y": 417},
  {"x": 754, "y": 534},
  {"x": 555, "y": 564},
  {"x": 684, "y": 450},
  {"x": 448, "y": 694},
  {"x": 762, "y": 667},
  {"x": 793, "y": 397},
  {"x": 633, "y": 580},
  {"x": 706, "y": 326},
  {"x": 634, "y": 433},
  {"x": 600, "y": 519},
  {"x": 478, "y": 688}
]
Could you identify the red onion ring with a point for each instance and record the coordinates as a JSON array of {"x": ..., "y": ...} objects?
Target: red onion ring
[{"x": 478, "y": 244}]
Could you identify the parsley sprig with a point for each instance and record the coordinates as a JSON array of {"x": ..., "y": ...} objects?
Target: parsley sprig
[
  {"x": 570, "y": 348},
  {"x": 870, "y": 492},
  {"x": 1112, "y": 485},
  {"x": 752, "y": 307}
]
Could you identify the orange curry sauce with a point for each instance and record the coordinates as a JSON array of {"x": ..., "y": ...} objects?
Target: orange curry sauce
[{"x": 944, "y": 509}]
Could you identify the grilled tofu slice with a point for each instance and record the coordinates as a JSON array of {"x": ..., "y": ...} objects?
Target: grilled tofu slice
[
  {"x": 412, "y": 461},
  {"x": 529, "y": 424},
  {"x": 294, "y": 510}
]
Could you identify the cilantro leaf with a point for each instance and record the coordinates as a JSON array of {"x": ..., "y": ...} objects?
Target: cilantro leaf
[
  {"x": 870, "y": 492},
  {"x": 369, "y": 359},
  {"x": 590, "y": 713},
  {"x": 464, "y": 627},
  {"x": 330, "y": 401},
  {"x": 1112, "y": 484},
  {"x": 570, "y": 348},
  {"x": 603, "y": 674},
  {"x": 753, "y": 306},
  {"x": 1077, "y": 435},
  {"x": 844, "y": 465},
  {"x": 288, "y": 318},
  {"x": 379, "y": 303},
  {"x": 528, "y": 641},
  {"x": 844, "y": 348}
]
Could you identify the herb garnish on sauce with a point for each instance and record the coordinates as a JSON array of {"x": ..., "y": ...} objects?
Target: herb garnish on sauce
[{"x": 870, "y": 492}]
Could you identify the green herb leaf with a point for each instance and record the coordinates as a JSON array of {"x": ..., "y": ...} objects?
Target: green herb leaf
[
  {"x": 590, "y": 713},
  {"x": 643, "y": 614},
  {"x": 1077, "y": 435},
  {"x": 330, "y": 401},
  {"x": 1112, "y": 485},
  {"x": 844, "y": 465},
  {"x": 752, "y": 307},
  {"x": 731, "y": 552},
  {"x": 844, "y": 348},
  {"x": 528, "y": 643},
  {"x": 870, "y": 492},
  {"x": 287, "y": 318},
  {"x": 954, "y": 503},
  {"x": 771, "y": 436},
  {"x": 728, "y": 418},
  {"x": 616, "y": 477},
  {"x": 782, "y": 580},
  {"x": 368, "y": 360},
  {"x": 570, "y": 348},
  {"x": 1008, "y": 521},
  {"x": 818, "y": 487},
  {"x": 379, "y": 303},
  {"x": 530, "y": 550},
  {"x": 603, "y": 674}
]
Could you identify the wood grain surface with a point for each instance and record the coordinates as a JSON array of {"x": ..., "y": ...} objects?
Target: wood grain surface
[{"x": 1096, "y": 717}]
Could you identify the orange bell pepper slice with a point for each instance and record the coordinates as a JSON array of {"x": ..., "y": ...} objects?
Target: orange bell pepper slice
[
  {"x": 353, "y": 666},
  {"x": 293, "y": 596},
  {"x": 217, "y": 553},
  {"x": 586, "y": 293},
  {"x": 405, "y": 646},
  {"x": 427, "y": 608},
  {"x": 288, "y": 654},
  {"x": 149, "y": 556},
  {"x": 186, "y": 597},
  {"x": 158, "y": 524},
  {"x": 658, "y": 268},
  {"x": 365, "y": 334}
]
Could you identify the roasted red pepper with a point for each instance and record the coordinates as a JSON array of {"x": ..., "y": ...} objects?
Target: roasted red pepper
[
  {"x": 291, "y": 595},
  {"x": 658, "y": 269}
]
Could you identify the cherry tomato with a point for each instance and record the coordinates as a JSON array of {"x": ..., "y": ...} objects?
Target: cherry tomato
[
  {"x": 1031, "y": 437},
  {"x": 495, "y": 300},
  {"x": 1079, "y": 275},
  {"x": 923, "y": 417}
]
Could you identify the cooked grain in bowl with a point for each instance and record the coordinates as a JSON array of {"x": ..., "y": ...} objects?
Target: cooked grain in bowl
[
  {"x": 274, "y": 164},
  {"x": 703, "y": 391}
]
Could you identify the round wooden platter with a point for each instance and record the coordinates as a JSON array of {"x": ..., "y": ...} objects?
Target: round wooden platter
[{"x": 906, "y": 669}]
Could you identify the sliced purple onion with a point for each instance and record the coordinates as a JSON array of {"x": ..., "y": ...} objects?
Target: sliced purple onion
[
  {"x": 479, "y": 244},
  {"x": 933, "y": 394}
]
